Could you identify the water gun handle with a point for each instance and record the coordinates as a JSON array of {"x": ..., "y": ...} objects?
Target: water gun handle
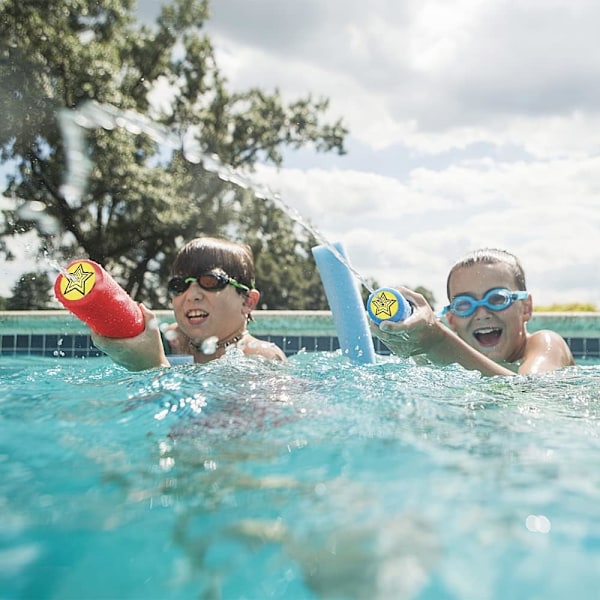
[
  {"x": 93, "y": 296},
  {"x": 387, "y": 304}
]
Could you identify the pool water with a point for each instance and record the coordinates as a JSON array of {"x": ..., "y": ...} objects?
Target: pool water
[{"x": 316, "y": 479}]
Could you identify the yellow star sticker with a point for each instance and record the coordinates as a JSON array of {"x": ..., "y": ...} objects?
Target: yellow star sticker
[
  {"x": 382, "y": 304},
  {"x": 74, "y": 285}
]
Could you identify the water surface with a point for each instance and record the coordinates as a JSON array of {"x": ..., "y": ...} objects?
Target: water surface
[{"x": 315, "y": 479}]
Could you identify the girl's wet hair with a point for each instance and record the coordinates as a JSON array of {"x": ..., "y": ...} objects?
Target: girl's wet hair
[
  {"x": 490, "y": 256},
  {"x": 207, "y": 254}
]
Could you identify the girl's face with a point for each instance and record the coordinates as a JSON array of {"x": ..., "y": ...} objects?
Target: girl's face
[
  {"x": 201, "y": 314},
  {"x": 500, "y": 335}
]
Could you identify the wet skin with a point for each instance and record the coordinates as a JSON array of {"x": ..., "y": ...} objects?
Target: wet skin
[{"x": 499, "y": 335}]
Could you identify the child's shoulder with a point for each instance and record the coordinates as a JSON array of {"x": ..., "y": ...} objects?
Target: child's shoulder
[
  {"x": 254, "y": 346},
  {"x": 552, "y": 345},
  {"x": 546, "y": 336}
]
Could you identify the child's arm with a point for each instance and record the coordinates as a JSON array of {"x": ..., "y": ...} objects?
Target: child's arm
[
  {"x": 545, "y": 351},
  {"x": 144, "y": 351},
  {"x": 423, "y": 334}
]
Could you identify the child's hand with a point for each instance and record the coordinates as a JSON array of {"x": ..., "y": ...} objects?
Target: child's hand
[
  {"x": 416, "y": 334},
  {"x": 144, "y": 351}
]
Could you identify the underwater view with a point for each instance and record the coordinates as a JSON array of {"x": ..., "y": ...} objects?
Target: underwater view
[{"x": 244, "y": 479}]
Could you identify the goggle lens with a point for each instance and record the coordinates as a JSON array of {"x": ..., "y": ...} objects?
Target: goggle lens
[{"x": 211, "y": 282}]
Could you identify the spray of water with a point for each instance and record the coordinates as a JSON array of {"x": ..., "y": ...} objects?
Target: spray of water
[
  {"x": 52, "y": 262},
  {"x": 92, "y": 115}
]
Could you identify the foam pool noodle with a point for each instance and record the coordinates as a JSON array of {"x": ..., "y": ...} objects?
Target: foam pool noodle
[
  {"x": 345, "y": 302},
  {"x": 94, "y": 297}
]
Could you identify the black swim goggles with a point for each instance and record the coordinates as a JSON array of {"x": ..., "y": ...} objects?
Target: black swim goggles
[
  {"x": 497, "y": 299},
  {"x": 211, "y": 281}
]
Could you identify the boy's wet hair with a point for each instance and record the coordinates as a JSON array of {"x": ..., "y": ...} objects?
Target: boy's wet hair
[
  {"x": 490, "y": 256},
  {"x": 204, "y": 254}
]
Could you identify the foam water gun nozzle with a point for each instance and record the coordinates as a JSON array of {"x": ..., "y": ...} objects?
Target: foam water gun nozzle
[
  {"x": 92, "y": 295},
  {"x": 387, "y": 304}
]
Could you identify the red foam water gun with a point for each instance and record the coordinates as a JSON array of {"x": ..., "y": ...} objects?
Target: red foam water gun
[{"x": 93, "y": 296}]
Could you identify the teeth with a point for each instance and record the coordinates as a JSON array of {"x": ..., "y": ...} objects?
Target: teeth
[
  {"x": 196, "y": 314},
  {"x": 485, "y": 330}
]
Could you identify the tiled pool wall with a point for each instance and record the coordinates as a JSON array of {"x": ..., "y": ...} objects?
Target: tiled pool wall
[{"x": 58, "y": 333}]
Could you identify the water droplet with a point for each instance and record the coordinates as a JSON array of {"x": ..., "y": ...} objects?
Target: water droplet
[{"x": 209, "y": 345}]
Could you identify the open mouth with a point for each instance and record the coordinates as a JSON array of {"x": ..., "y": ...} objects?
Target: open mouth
[{"x": 488, "y": 336}]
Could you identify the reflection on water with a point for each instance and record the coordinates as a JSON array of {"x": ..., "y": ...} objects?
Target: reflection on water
[{"x": 314, "y": 479}]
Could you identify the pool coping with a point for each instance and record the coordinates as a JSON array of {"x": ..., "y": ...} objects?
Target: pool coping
[
  {"x": 269, "y": 322},
  {"x": 59, "y": 333}
]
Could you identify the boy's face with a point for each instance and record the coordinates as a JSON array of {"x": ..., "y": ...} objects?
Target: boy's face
[
  {"x": 500, "y": 335},
  {"x": 201, "y": 314}
]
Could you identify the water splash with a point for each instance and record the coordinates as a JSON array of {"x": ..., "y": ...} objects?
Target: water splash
[
  {"x": 35, "y": 211},
  {"x": 91, "y": 115},
  {"x": 78, "y": 165},
  {"x": 210, "y": 345},
  {"x": 60, "y": 269}
]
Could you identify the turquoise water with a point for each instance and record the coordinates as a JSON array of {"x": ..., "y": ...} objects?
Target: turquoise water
[{"x": 315, "y": 479}]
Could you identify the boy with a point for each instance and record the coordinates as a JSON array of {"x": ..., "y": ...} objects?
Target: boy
[
  {"x": 213, "y": 295},
  {"x": 487, "y": 315}
]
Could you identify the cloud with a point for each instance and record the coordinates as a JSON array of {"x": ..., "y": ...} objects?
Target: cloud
[
  {"x": 413, "y": 232},
  {"x": 428, "y": 74}
]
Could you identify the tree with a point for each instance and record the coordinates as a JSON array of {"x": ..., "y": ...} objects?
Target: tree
[
  {"x": 427, "y": 293},
  {"x": 31, "y": 292},
  {"x": 283, "y": 258},
  {"x": 141, "y": 200}
]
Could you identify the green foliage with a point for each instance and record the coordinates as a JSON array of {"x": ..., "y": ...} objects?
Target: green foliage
[
  {"x": 282, "y": 251},
  {"x": 31, "y": 292},
  {"x": 428, "y": 294},
  {"x": 140, "y": 203},
  {"x": 567, "y": 307}
]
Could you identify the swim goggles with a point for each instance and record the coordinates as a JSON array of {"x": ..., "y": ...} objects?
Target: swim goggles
[
  {"x": 212, "y": 281},
  {"x": 496, "y": 300}
]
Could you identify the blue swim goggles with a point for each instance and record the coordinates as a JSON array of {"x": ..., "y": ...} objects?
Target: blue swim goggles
[{"x": 496, "y": 300}]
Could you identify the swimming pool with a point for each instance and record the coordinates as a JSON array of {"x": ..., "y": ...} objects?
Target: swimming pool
[{"x": 315, "y": 479}]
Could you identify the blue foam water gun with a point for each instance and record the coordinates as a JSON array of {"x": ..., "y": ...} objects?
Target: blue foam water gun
[{"x": 387, "y": 304}]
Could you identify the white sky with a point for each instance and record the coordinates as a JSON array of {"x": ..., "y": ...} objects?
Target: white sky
[{"x": 472, "y": 123}]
